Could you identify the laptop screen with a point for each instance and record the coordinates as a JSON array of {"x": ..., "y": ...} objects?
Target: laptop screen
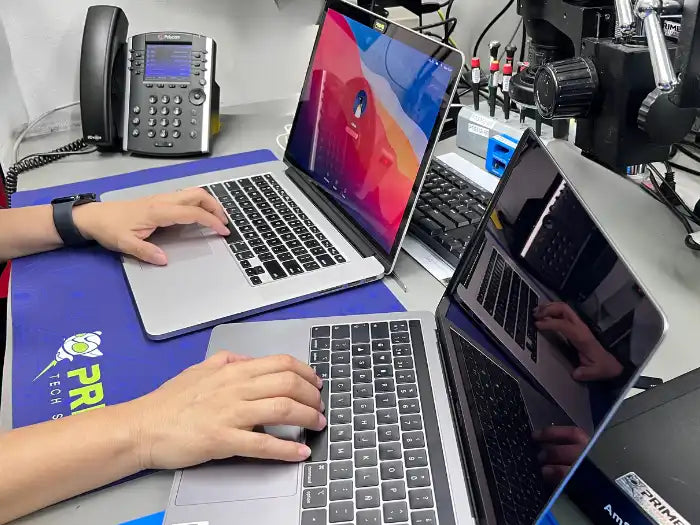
[
  {"x": 368, "y": 114},
  {"x": 546, "y": 328}
]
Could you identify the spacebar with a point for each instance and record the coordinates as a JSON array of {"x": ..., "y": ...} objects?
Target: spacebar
[{"x": 318, "y": 441}]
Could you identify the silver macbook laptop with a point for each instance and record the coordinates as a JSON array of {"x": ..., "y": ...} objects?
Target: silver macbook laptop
[
  {"x": 439, "y": 418},
  {"x": 335, "y": 213}
]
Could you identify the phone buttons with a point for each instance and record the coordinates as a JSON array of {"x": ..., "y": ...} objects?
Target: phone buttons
[
  {"x": 153, "y": 99},
  {"x": 177, "y": 111},
  {"x": 176, "y": 134},
  {"x": 193, "y": 134},
  {"x": 135, "y": 133},
  {"x": 164, "y": 122},
  {"x": 161, "y": 86},
  {"x": 151, "y": 133},
  {"x": 136, "y": 110},
  {"x": 152, "y": 122},
  {"x": 193, "y": 121},
  {"x": 136, "y": 121},
  {"x": 197, "y": 97},
  {"x": 151, "y": 111},
  {"x": 177, "y": 99},
  {"x": 165, "y": 99},
  {"x": 202, "y": 82},
  {"x": 177, "y": 122},
  {"x": 148, "y": 84},
  {"x": 163, "y": 133},
  {"x": 164, "y": 111}
]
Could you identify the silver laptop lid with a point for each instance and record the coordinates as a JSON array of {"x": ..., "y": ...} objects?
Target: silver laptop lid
[
  {"x": 371, "y": 110},
  {"x": 543, "y": 250}
]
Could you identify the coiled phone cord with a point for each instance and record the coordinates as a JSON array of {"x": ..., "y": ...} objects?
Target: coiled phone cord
[{"x": 37, "y": 160}]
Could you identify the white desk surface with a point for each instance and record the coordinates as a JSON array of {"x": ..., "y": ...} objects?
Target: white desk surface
[{"x": 243, "y": 128}]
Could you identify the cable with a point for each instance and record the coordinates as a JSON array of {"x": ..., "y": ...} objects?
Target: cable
[
  {"x": 488, "y": 27},
  {"x": 517, "y": 28},
  {"x": 685, "y": 168},
  {"x": 445, "y": 23},
  {"x": 523, "y": 43},
  {"x": 33, "y": 123},
  {"x": 37, "y": 160},
  {"x": 688, "y": 153}
]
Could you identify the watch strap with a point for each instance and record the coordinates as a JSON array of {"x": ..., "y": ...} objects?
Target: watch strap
[{"x": 65, "y": 226}]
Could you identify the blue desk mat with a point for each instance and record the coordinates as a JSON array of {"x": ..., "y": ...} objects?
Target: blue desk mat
[{"x": 74, "y": 323}]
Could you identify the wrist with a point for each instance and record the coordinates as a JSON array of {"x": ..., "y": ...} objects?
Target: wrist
[{"x": 140, "y": 433}]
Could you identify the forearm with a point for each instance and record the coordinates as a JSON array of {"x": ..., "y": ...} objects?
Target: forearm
[
  {"x": 47, "y": 463},
  {"x": 24, "y": 231}
]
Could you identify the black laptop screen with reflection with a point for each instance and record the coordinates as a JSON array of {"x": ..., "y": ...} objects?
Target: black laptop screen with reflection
[{"x": 546, "y": 327}]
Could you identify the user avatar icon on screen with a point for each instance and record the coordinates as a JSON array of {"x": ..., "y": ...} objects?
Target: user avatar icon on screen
[{"x": 360, "y": 103}]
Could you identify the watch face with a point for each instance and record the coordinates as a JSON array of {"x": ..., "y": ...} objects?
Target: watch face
[{"x": 82, "y": 198}]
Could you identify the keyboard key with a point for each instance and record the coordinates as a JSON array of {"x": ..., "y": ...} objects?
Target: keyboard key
[
  {"x": 340, "y": 358},
  {"x": 341, "y": 344},
  {"x": 242, "y": 256},
  {"x": 321, "y": 343},
  {"x": 245, "y": 264},
  {"x": 341, "y": 416},
  {"x": 398, "y": 326},
  {"x": 306, "y": 259},
  {"x": 363, "y": 406},
  {"x": 240, "y": 247},
  {"x": 389, "y": 433},
  {"x": 341, "y": 470},
  {"x": 362, "y": 362},
  {"x": 366, "y": 458},
  {"x": 314, "y": 498},
  {"x": 324, "y": 260},
  {"x": 275, "y": 270},
  {"x": 341, "y": 512},
  {"x": 340, "y": 386},
  {"x": 341, "y": 433},
  {"x": 414, "y": 439},
  {"x": 341, "y": 490},
  {"x": 387, "y": 416},
  {"x": 395, "y": 512},
  {"x": 380, "y": 330},
  {"x": 424, "y": 517},
  {"x": 409, "y": 406},
  {"x": 402, "y": 350},
  {"x": 256, "y": 280},
  {"x": 405, "y": 376},
  {"x": 407, "y": 390},
  {"x": 366, "y": 477},
  {"x": 367, "y": 517},
  {"x": 412, "y": 422},
  {"x": 280, "y": 249},
  {"x": 340, "y": 259},
  {"x": 421, "y": 498},
  {"x": 310, "y": 266},
  {"x": 403, "y": 363},
  {"x": 363, "y": 391},
  {"x": 340, "y": 371},
  {"x": 381, "y": 345},
  {"x": 315, "y": 475},
  {"x": 266, "y": 257},
  {"x": 341, "y": 401},
  {"x": 288, "y": 237},
  {"x": 314, "y": 517},
  {"x": 367, "y": 439},
  {"x": 367, "y": 498},
  {"x": 360, "y": 333},
  {"x": 298, "y": 250},
  {"x": 415, "y": 458},
  {"x": 320, "y": 356},
  {"x": 388, "y": 451},
  {"x": 364, "y": 422},
  {"x": 385, "y": 400},
  {"x": 292, "y": 267},
  {"x": 362, "y": 376},
  {"x": 341, "y": 451},
  {"x": 361, "y": 349},
  {"x": 400, "y": 338},
  {"x": 391, "y": 470},
  {"x": 384, "y": 385},
  {"x": 341, "y": 331},
  {"x": 393, "y": 491},
  {"x": 419, "y": 477},
  {"x": 383, "y": 371},
  {"x": 382, "y": 358},
  {"x": 322, "y": 370}
]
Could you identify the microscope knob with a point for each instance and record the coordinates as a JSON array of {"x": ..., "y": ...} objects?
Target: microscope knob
[
  {"x": 566, "y": 88},
  {"x": 662, "y": 120}
]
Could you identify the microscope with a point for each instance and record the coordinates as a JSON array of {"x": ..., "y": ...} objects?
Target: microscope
[{"x": 628, "y": 71}]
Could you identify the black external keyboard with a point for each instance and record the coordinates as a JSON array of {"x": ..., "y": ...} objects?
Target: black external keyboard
[
  {"x": 371, "y": 465},
  {"x": 510, "y": 301},
  {"x": 504, "y": 433},
  {"x": 448, "y": 211},
  {"x": 271, "y": 237}
]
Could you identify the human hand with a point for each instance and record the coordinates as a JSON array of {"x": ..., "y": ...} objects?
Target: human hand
[
  {"x": 561, "y": 447},
  {"x": 596, "y": 363},
  {"x": 209, "y": 411},
  {"x": 124, "y": 226}
]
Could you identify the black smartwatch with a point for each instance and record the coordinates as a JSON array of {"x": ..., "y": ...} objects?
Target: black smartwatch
[{"x": 63, "y": 217}]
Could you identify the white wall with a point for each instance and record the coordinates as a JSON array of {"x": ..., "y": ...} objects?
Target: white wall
[
  {"x": 13, "y": 112},
  {"x": 263, "y": 50}
]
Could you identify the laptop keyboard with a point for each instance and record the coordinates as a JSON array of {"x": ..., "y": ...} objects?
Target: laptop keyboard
[
  {"x": 370, "y": 466},
  {"x": 510, "y": 301},
  {"x": 271, "y": 237},
  {"x": 448, "y": 211},
  {"x": 504, "y": 430}
]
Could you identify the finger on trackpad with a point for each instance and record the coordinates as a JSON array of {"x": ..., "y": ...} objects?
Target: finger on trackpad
[{"x": 180, "y": 244}]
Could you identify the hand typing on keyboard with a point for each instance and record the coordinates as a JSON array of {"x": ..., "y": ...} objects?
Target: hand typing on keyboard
[
  {"x": 561, "y": 447},
  {"x": 595, "y": 362},
  {"x": 124, "y": 226},
  {"x": 210, "y": 410}
]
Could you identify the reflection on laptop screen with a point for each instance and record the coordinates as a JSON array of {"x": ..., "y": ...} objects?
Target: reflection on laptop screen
[
  {"x": 561, "y": 326},
  {"x": 365, "y": 119}
]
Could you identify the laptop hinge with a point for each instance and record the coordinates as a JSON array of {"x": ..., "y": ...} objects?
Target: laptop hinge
[{"x": 352, "y": 233}]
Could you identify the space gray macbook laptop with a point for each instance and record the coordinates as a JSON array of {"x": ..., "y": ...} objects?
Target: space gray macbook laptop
[
  {"x": 438, "y": 418},
  {"x": 335, "y": 212}
]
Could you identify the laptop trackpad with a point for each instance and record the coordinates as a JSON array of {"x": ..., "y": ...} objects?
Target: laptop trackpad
[
  {"x": 180, "y": 244},
  {"x": 241, "y": 479}
]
